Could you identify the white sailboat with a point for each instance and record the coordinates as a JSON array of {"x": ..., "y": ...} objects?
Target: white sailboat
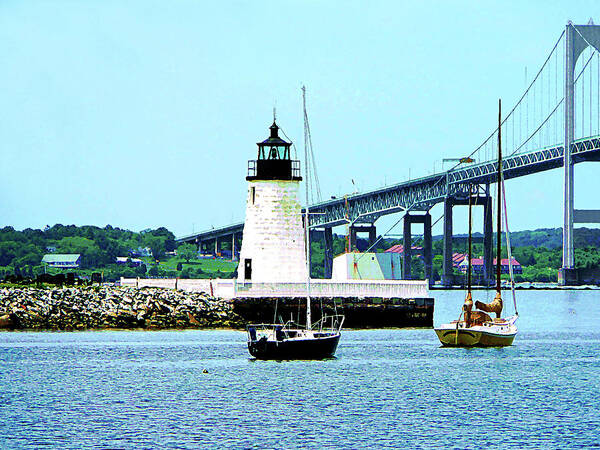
[{"x": 475, "y": 328}]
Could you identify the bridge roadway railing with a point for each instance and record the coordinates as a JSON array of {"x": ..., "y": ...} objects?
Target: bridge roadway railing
[
  {"x": 526, "y": 163},
  {"x": 227, "y": 230},
  {"x": 422, "y": 193}
]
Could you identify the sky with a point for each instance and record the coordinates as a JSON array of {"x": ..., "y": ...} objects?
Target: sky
[{"x": 143, "y": 114}]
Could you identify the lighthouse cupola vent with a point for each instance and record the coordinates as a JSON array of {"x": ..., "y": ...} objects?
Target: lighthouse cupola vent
[{"x": 273, "y": 161}]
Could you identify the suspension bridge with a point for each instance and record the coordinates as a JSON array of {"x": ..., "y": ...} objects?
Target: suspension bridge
[{"x": 560, "y": 109}]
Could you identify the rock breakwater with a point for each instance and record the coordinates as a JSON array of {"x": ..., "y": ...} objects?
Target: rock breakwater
[{"x": 95, "y": 307}]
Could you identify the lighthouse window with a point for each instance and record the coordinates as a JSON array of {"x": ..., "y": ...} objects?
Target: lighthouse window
[{"x": 253, "y": 194}]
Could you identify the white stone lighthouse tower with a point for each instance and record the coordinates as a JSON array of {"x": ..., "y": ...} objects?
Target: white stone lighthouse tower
[{"x": 273, "y": 242}]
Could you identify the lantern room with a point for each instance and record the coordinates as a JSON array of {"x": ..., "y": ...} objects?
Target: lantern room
[{"x": 274, "y": 162}]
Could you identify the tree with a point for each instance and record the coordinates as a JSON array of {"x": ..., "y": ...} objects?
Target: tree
[
  {"x": 127, "y": 272},
  {"x": 187, "y": 252},
  {"x": 438, "y": 263},
  {"x": 417, "y": 268},
  {"x": 169, "y": 238},
  {"x": 32, "y": 257},
  {"x": 339, "y": 245},
  {"x": 156, "y": 244},
  {"x": 8, "y": 252},
  {"x": 141, "y": 270},
  {"x": 91, "y": 255}
]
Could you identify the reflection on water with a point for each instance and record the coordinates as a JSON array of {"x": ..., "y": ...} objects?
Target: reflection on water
[{"x": 393, "y": 388}]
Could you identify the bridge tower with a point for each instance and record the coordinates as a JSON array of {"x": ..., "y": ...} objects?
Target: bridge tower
[
  {"x": 273, "y": 247},
  {"x": 577, "y": 39}
]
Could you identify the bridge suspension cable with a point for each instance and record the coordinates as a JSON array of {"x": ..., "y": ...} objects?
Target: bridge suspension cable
[
  {"x": 530, "y": 90},
  {"x": 538, "y": 110}
]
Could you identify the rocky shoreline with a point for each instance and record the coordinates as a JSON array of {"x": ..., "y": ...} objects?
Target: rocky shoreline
[{"x": 108, "y": 307}]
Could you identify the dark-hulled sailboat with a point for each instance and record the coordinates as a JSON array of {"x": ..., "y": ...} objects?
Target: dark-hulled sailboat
[{"x": 287, "y": 341}]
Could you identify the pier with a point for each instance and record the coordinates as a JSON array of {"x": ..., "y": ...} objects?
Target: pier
[{"x": 366, "y": 304}]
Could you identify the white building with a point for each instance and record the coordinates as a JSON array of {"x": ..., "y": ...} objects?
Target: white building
[
  {"x": 62, "y": 261},
  {"x": 273, "y": 248},
  {"x": 367, "y": 266}
]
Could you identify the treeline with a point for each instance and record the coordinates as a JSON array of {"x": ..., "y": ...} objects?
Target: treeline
[
  {"x": 21, "y": 252},
  {"x": 549, "y": 238}
]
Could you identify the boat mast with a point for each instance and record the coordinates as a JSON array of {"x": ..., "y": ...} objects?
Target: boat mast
[
  {"x": 470, "y": 241},
  {"x": 306, "y": 221},
  {"x": 499, "y": 201}
]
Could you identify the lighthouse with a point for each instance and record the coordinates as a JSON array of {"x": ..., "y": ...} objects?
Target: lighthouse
[{"x": 273, "y": 249}]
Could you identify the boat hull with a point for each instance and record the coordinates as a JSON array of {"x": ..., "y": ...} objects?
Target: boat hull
[
  {"x": 319, "y": 348},
  {"x": 474, "y": 337}
]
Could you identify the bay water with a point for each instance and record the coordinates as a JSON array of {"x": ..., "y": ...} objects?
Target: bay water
[{"x": 387, "y": 388}]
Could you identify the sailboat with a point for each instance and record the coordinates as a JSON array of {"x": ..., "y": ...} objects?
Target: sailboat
[
  {"x": 289, "y": 340},
  {"x": 475, "y": 328}
]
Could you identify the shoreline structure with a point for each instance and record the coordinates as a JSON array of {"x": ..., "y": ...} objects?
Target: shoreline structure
[
  {"x": 178, "y": 304},
  {"x": 364, "y": 303}
]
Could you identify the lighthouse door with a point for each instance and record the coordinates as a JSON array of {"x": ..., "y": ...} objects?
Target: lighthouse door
[{"x": 247, "y": 269}]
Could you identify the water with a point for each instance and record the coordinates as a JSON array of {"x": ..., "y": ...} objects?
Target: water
[{"x": 387, "y": 388}]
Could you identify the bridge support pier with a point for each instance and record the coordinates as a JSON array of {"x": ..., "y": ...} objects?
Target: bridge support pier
[
  {"x": 425, "y": 219},
  {"x": 488, "y": 235},
  {"x": 355, "y": 229},
  {"x": 447, "y": 269},
  {"x": 328, "y": 246},
  {"x": 570, "y": 276},
  {"x": 407, "y": 249},
  {"x": 447, "y": 276},
  {"x": 233, "y": 246},
  {"x": 325, "y": 236}
]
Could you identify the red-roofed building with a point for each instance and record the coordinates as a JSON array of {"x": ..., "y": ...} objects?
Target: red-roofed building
[
  {"x": 400, "y": 249},
  {"x": 457, "y": 258},
  {"x": 477, "y": 265}
]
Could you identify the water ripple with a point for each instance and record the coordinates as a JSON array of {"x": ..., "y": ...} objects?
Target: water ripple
[{"x": 385, "y": 389}]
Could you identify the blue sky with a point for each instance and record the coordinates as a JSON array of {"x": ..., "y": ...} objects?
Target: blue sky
[{"x": 143, "y": 114}]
